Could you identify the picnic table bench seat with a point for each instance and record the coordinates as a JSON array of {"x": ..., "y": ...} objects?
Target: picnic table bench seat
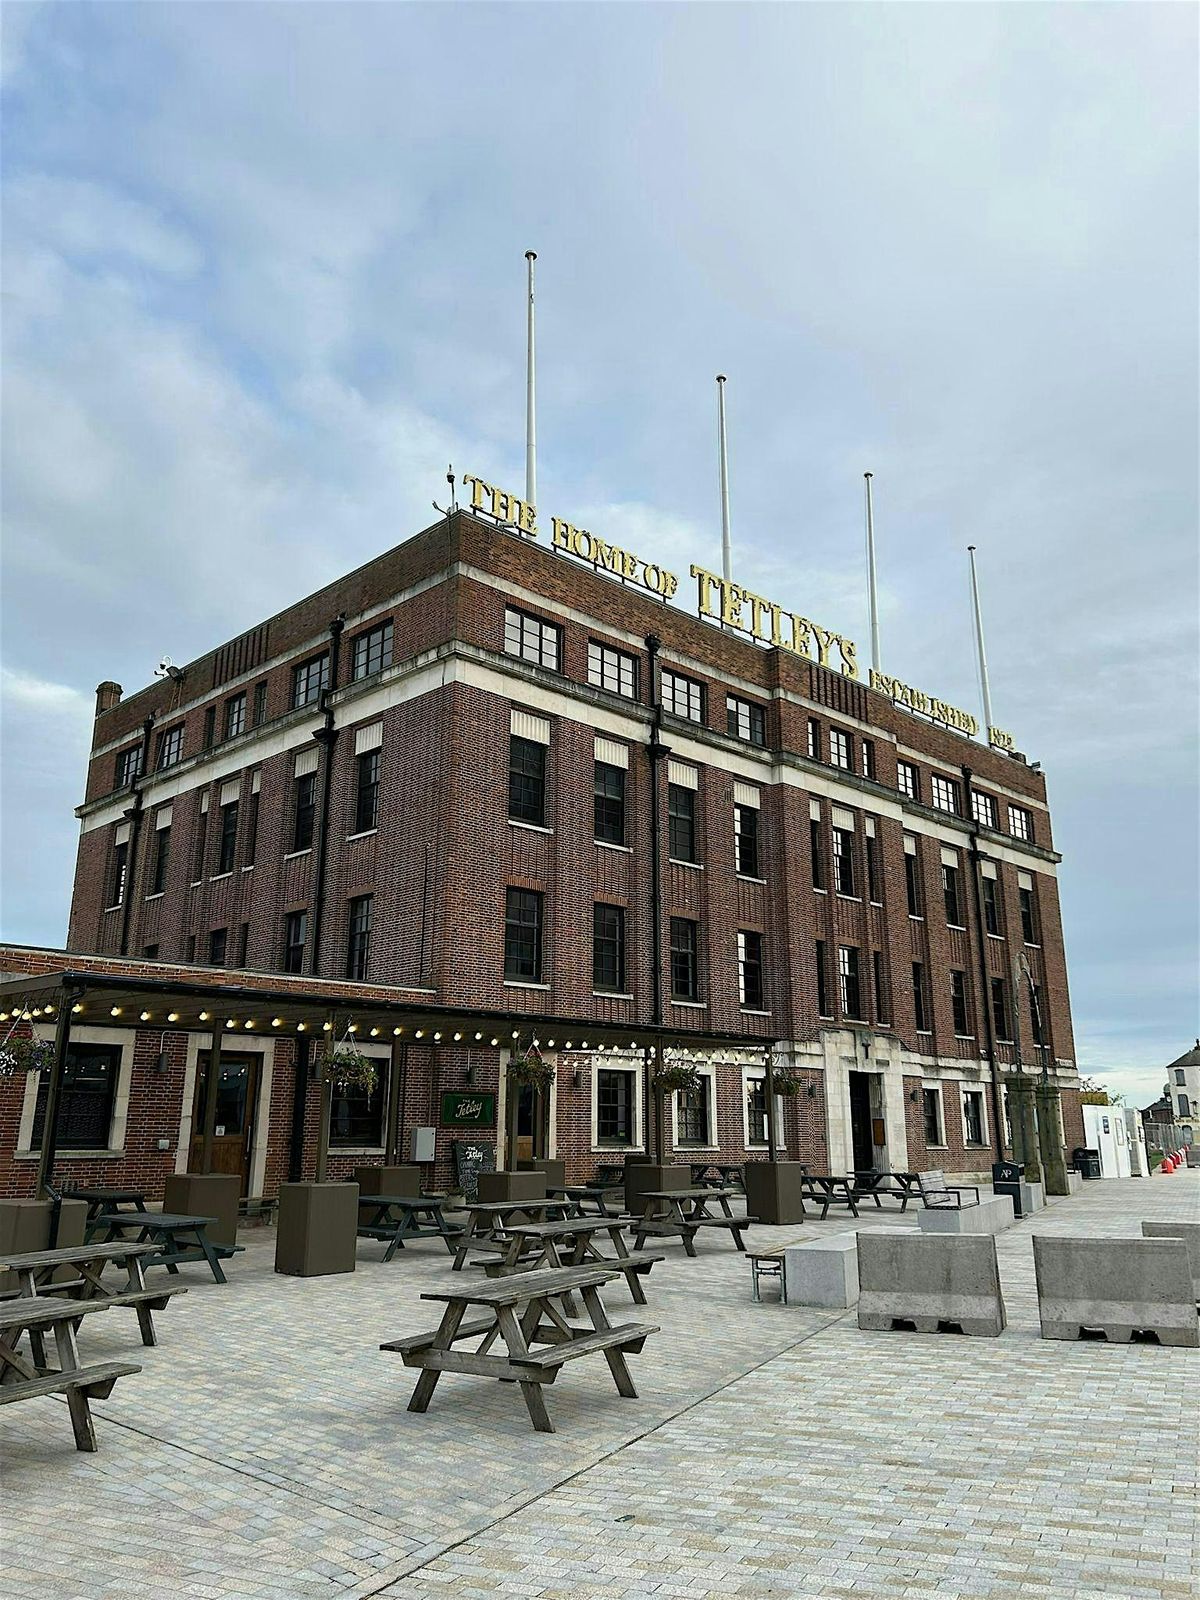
[
  {"x": 35, "y": 1271},
  {"x": 24, "y": 1379}
]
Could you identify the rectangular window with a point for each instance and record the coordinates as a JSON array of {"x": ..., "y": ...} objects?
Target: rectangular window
[
  {"x": 1184, "y": 1105},
  {"x": 235, "y": 716},
  {"x": 883, "y": 1009},
  {"x": 973, "y": 1115},
  {"x": 933, "y": 1116},
  {"x": 756, "y": 1110},
  {"x": 260, "y": 703},
  {"x": 252, "y": 827},
  {"x": 908, "y": 780},
  {"x": 305, "y": 808},
  {"x": 685, "y": 963},
  {"x": 129, "y": 765},
  {"x": 523, "y": 935},
  {"x": 874, "y": 878},
  {"x": 162, "y": 858},
  {"x": 218, "y": 943},
  {"x": 1020, "y": 823},
  {"x": 991, "y": 906},
  {"x": 824, "y": 1009},
  {"x": 370, "y": 652},
  {"x": 190, "y": 953},
  {"x": 983, "y": 809},
  {"x": 745, "y": 840},
  {"x": 527, "y": 780},
  {"x": 358, "y": 943},
  {"x": 692, "y": 1113},
  {"x": 151, "y": 952},
  {"x": 745, "y": 720},
  {"x": 612, "y": 669},
  {"x": 848, "y": 981},
  {"x": 814, "y": 739},
  {"x": 210, "y": 727},
  {"x": 200, "y": 847},
  {"x": 958, "y": 1002},
  {"x": 681, "y": 822},
  {"x": 841, "y": 749},
  {"x": 227, "y": 845},
  {"x": 170, "y": 747},
  {"x": 119, "y": 873},
  {"x": 86, "y": 1096},
  {"x": 614, "y": 1106},
  {"x": 608, "y": 803},
  {"x": 818, "y": 859},
  {"x": 920, "y": 1009},
  {"x": 1001, "y": 1020},
  {"x": 295, "y": 937},
  {"x": 912, "y": 884},
  {"x": 530, "y": 639},
  {"x": 356, "y": 1113},
  {"x": 950, "y": 893},
  {"x": 1029, "y": 927},
  {"x": 868, "y": 758},
  {"x": 683, "y": 697},
  {"x": 366, "y": 792},
  {"x": 750, "y": 973},
  {"x": 608, "y": 948},
  {"x": 309, "y": 681},
  {"x": 843, "y": 860},
  {"x": 944, "y": 794}
]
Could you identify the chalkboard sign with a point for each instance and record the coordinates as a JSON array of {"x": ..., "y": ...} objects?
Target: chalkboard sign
[{"x": 470, "y": 1159}]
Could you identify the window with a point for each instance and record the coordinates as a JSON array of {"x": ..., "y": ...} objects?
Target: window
[
  {"x": 120, "y": 873},
  {"x": 684, "y": 697},
  {"x": 983, "y": 809},
  {"x": 531, "y": 639},
  {"x": 612, "y": 669},
  {"x": 745, "y": 840},
  {"x": 814, "y": 739},
  {"x": 358, "y": 943},
  {"x": 162, "y": 858},
  {"x": 210, "y": 727},
  {"x": 756, "y": 1110},
  {"x": 1035, "y": 1014},
  {"x": 958, "y": 1002},
  {"x": 843, "y": 860},
  {"x": 750, "y": 974},
  {"x": 260, "y": 703},
  {"x": 200, "y": 847},
  {"x": 1020, "y": 823},
  {"x": 1184, "y": 1105},
  {"x": 920, "y": 1010},
  {"x": 523, "y": 935},
  {"x": 681, "y": 822},
  {"x": 366, "y": 792},
  {"x": 973, "y": 1115},
  {"x": 309, "y": 680},
  {"x": 1029, "y": 927},
  {"x": 685, "y": 965},
  {"x": 1180, "y": 1075},
  {"x": 944, "y": 793},
  {"x": 608, "y": 948},
  {"x": 170, "y": 747},
  {"x": 218, "y": 942},
  {"x": 840, "y": 749},
  {"x": 818, "y": 860},
  {"x": 912, "y": 883},
  {"x": 527, "y": 780},
  {"x": 848, "y": 984},
  {"x": 951, "y": 896},
  {"x": 824, "y": 1009},
  {"x": 129, "y": 765},
  {"x": 745, "y": 720},
  {"x": 150, "y": 952},
  {"x": 868, "y": 758},
  {"x": 356, "y": 1112},
  {"x": 874, "y": 880},
  {"x": 190, "y": 953},
  {"x": 614, "y": 1105},
  {"x": 883, "y": 1010},
  {"x": 227, "y": 845},
  {"x": 932, "y": 1107},
  {"x": 295, "y": 937},
  {"x": 692, "y": 1113},
  {"x": 991, "y": 906},
  {"x": 609, "y": 803},
  {"x": 251, "y": 843},
  {"x": 1001, "y": 1021},
  {"x": 370, "y": 652},
  {"x": 908, "y": 780},
  {"x": 235, "y": 716},
  {"x": 305, "y": 806},
  {"x": 85, "y": 1106}
]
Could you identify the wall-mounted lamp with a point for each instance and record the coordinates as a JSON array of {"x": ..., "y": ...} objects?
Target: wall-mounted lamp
[
  {"x": 160, "y": 1062},
  {"x": 577, "y": 1077},
  {"x": 811, "y": 1091},
  {"x": 469, "y": 1072},
  {"x": 914, "y": 1094}
]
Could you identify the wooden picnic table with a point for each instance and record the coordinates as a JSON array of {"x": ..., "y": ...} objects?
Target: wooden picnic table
[
  {"x": 572, "y": 1243},
  {"x": 524, "y": 1312},
  {"x": 880, "y": 1186},
  {"x": 825, "y": 1190},
  {"x": 36, "y": 1273},
  {"x": 24, "y": 1379},
  {"x": 398, "y": 1218},
  {"x": 175, "y": 1238},
  {"x": 99, "y": 1200},
  {"x": 597, "y": 1193},
  {"x": 685, "y": 1212},
  {"x": 487, "y": 1217}
]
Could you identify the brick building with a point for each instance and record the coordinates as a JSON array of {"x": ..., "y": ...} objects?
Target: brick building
[{"x": 481, "y": 780}]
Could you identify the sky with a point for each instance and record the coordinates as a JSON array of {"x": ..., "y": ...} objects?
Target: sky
[{"x": 263, "y": 279}]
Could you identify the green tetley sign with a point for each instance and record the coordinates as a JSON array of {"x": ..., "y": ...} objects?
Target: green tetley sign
[{"x": 468, "y": 1110}]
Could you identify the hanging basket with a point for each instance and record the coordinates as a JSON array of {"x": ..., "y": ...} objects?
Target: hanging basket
[
  {"x": 22, "y": 1053},
  {"x": 342, "y": 1063},
  {"x": 677, "y": 1079},
  {"x": 531, "y": 1068},
  {"x": 785, "y": 1084}
]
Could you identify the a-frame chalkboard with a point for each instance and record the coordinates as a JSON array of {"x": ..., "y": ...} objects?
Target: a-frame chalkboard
[{"x": 471, "y": 1157}]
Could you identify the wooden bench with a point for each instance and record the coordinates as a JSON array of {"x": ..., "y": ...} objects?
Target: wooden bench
[
  {"x": 936, "y": 1194},
  {"x": 21, "y": 1379},
  {"x": 35, "y": 1272}
]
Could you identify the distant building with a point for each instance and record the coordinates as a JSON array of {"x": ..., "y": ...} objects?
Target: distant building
[{"x": 1183, "y": 1088}]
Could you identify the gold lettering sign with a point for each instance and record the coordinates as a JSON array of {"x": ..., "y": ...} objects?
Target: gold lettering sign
[
  {"x": 505, "y": 507},
  {"x": 607, "y": 557},
  {"x": 917, "y": 700},
  {"x": 741, "y": 608},
  {"x": 1001, "y": 740}
]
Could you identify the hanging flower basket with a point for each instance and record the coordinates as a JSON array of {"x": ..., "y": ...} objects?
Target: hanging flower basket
[
  {"x": 785, "y": 1083},
  {"x": 344, "y": 1064},
  {"x": 676, "y": 1079},
  {"x": 532, "y": 1068},
  {"x": 21, "y": 1053}
]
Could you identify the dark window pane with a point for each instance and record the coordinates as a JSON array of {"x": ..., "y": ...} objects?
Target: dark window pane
[
  {"x": 371, "y": 652},
  {"x": 295, "y": 937},
  {"x": 527, "y": 780},
  {"x": 745, "y": 840},
  {"x": 309, "y": 679},
  {"x": 750, "y": 976},
  {"x": 227, "y": 846},
  {"x": 358, "y": 949},
  {"x": 848, "y": 981},
  {"x": 531, "y": 639},
  {"x": 356, "y": 1113},
  {"x": 305, "y": 811},
  {"x": 85, "y": 1104},
  {"x": 685, "y": 971},
  {"x": 958, "y": 1002},
  {"x": 824, "y": 1009},
  {"x": 613, "y": 669},
  {"x": 608, "y": 948},
  {"x": 818, "y": 860},
  {"x": 614, "y": 1106},
  {"x": 162, "y": 858},
  {"x": 523, "y": 935},
  {"x": 609, "y": 803},
  {"x": 218, "y": 941},
  {"x": 681, "y": 822},
  {"x": 366, "y": 798}
]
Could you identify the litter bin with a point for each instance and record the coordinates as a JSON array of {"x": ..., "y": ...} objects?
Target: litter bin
[
  {"x": 1087, "y": 1162},
  {"x": 1006, "y": 1179}
]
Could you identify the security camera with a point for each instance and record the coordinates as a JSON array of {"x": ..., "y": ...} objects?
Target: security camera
[{"x": 167, "y": 669}]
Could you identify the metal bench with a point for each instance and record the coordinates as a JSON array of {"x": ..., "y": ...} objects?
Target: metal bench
[
  {"x": 767, "y": 1264},
  {"x": 937, "y": 1195}
]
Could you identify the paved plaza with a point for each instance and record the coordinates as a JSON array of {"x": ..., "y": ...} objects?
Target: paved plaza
[{"x": 265, "y": 1450}]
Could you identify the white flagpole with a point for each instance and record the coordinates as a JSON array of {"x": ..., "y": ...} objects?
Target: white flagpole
[
  {"x": 872, "y": 595},
  {"x": 983, "y": 668},
  {"x": 530, "y": 398},
  {"x": 722, "y": 449}
]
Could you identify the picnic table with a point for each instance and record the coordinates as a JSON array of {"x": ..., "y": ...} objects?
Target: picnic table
[
  {"x": 175, "y": 1238},
  {"x": 579, "y": 1194},
  {"x": 24, "y": 1379},
  {"x": 398, "y": 1218},
  {"x": 685, "y": 1212},
  {"x": 880, "y": 1186},
  {"x": 99, "y": 1200},
  {"x": 524, "y": 1312},
  {"x": 36, "y": 1273},
  {"x": 727, "y": 1176},
  {"x": 486, "y": 1218},
  {"x": 825, "y": 1189},
  {"x": 572, "y": 1243}
]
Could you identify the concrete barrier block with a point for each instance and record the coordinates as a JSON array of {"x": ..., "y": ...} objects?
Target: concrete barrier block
[
  {"x": 1074, "y": 1180},
  {"x": 1117, "y": 1287},
  {"x": 1189, "y": 1232},
  {"x": 823, "y": 1272},
  {"x": 1033, "y": 1197},
  {"x": 993, "y": 1213},
  {"x": 929, "y": 1284}
]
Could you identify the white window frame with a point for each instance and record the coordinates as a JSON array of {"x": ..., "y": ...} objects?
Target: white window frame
[
  {"x": 754, "y": 1075},
  {"x": 606, "y": 1063},
  {"x": 605, "y": 661},
  {"x": 949, "y": 794},
  {"x": 985, "y": 1142},
  {"x": 935, "y": 1088},
  {"x": 985, "y": 804},
  {"x": 689, "y": 686},
  {"x": 1020, "y": 823},
  {"x": 839, "y": 750},
  {"x": 707, "y": 1074},
  {"x": 908, "y": 779}
]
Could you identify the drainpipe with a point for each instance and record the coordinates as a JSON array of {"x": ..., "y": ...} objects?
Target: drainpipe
[
  {"x": 657, "y": 750},
  {"x": 326, "y": 737},
  {"x": 985, "y": 994}
]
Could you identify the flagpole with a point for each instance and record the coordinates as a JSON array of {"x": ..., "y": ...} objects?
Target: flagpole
[
  {"x": 530, "y": 397},
  {"x": 872, "y": 595},
  {"x": 983, "y": 667},
  {"x": 722, "y": 450}
]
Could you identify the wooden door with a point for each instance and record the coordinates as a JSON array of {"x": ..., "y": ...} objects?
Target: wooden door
[{"x": 233, "y": 1128}]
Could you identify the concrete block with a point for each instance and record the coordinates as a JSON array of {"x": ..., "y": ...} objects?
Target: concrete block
[
  {"x": 1033, "y": 1197},
  {"x": 1117, "y": 1287},
  {"x": 823, "y": 1272},
  {"x": 991, "y": 1215},
  {"x": 1074, "y": 1180},
  {"x": 928, "y": 1283},
  {"x": 1189, "y": 1232}
]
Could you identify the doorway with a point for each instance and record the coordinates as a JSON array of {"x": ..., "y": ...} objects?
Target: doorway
[
  {"x": 868, "y": 1130},
  {"x": 233, "y": 1124}
]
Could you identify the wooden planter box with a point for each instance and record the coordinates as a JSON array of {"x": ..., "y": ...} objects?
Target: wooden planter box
[
  {"x": 206, "y": 1194},
  {"x": 25, "y": 1225},
  {"x": 318, "y": 1229},
  {"x": 641, "y": 1176},
  {"x": 773, "y": 1192},
  {"x": 512, "y": 1186},
  {"x": 555, "y": 1171},
  {"x": 402, "y": 1182}
]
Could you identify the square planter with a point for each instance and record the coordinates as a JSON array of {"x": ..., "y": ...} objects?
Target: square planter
[
  {"x": 318, "y": 1229},
  {"x": 512, "y": 1186},
  {"x": 773, "y": 1192},
  {"x": 206, "y": 1194},
  {"x": 403, "y": 1183},
  {"x": 643, "y": 1175},
  {"x": 25, "y": 1225},
  {"x": 555, "y": 1171}
]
